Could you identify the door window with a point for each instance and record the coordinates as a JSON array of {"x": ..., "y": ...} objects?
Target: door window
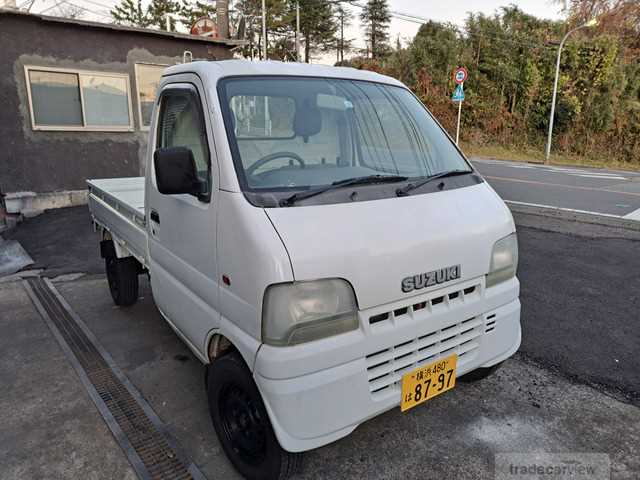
[{"x": 181, "y": 124}]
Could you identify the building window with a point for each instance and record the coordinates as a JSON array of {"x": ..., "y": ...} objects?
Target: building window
[
  {"x": 76, "y": 100},
  {"x": 147, "y": 82}
]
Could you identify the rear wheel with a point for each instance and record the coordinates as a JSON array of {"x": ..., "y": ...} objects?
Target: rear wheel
[
  {"x": 242, "y": 423},
  {"x": 122, "y": 274}
]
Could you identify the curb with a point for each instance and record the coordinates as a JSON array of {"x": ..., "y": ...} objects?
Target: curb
[{"x": 574, "y": 215}]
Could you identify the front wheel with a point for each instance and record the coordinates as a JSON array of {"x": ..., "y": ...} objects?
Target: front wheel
[{"x": 242, "y": 423}]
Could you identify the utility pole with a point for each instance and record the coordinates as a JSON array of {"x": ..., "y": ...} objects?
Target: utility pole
[
  {"x": 264, "y": 31},
  {"x": 222, "y": 18},
  {"x": 373, "y": 40},
  {"x": 297, "y": 31},
  {"x": 591, "y": 23},
  {"x": 341, "y": 35}
]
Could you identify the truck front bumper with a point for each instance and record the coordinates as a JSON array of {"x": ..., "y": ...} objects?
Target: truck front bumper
[{"x": 319, "y": 392}]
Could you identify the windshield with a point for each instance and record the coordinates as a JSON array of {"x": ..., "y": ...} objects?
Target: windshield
[{"x": 291, "y": 134}]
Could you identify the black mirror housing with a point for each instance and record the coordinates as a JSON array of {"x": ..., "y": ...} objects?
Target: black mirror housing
[{"x": 176, "y": 172}]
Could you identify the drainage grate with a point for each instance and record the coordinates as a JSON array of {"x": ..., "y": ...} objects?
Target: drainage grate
[{"x": 141, "y": 434}]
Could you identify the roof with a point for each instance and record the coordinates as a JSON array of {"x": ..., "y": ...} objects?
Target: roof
[
  {"x": 122, "y": 28},
  {"x": 229, "y": 68}
]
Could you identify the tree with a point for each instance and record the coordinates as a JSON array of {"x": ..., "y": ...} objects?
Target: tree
[
  {"x": 511, "y": 58},
  {"x": 376, "y": 18},
  {"x": 131, "y": 14},
  {"x": 190, "y": 11},
  {"x": 317, "y": 25},
  {"x": 278, "y": 21},
  {"x": 343, "y": 17},
  {"x": 160, "y": 10}
]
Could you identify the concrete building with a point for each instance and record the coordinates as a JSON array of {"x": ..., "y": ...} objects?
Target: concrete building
[{"x": 75, "y": 102}]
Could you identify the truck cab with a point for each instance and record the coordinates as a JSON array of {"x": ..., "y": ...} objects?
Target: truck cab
[{"x": 319, "y": 242}]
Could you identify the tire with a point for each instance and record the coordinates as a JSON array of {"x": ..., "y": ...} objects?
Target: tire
[
  {"x": 480, "y": 373},
  {"x": 234, "y": 400},
  {"x": 122, "y": 274}
]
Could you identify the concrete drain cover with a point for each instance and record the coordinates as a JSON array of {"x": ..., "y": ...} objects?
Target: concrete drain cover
[{"x": 152, "y": 452}]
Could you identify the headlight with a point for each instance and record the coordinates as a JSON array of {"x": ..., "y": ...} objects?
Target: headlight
[
  {"x": 504, "y": 260},
  {"x": 299, "y": 312}
]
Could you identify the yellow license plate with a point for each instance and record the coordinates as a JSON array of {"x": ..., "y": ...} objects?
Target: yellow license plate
[{"x": 428, "y": 381}]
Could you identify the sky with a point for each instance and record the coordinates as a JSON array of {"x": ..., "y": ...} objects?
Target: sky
[
  {"x": 438, "y": 10},
  {"x": 448, "y": 11}
]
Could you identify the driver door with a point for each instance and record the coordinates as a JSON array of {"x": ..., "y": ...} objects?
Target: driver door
[{"x": 182, "y": 228}]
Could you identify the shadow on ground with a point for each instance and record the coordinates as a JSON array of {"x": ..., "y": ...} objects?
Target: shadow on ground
[{"x": 60, "y": 241}]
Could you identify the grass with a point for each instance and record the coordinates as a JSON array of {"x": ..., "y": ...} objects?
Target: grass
[{"x": 530, "y": 154}]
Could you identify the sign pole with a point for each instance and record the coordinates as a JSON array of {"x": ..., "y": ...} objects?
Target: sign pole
[
  {"x": 459, "y": 114},
  {"x": 459, "y": 76}
]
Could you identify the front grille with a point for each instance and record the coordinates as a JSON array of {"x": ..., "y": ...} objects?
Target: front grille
[
  {"x": 437, "y": 300},
  {"x": 386, "y": 367}
]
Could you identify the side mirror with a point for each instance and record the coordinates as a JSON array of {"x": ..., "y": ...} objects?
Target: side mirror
[{"x": 176, "y": 172}]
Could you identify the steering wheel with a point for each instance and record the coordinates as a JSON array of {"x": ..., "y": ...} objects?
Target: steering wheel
[{"x": 275, "y": 156}]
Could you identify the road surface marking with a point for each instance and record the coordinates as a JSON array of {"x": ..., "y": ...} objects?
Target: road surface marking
[
  {"x": 574, "y": 187},
  {"x": 564, "y": 209},
  {"x": 600, "y": 175},
  {"x": 570, "y": 171},
  {"x": 635, "y": 215}
]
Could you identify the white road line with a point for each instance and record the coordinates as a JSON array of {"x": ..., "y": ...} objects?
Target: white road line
[
  {"x": 563, "y": 209},
  {"x": 601, "y": 175},
  {"x": 568, "y": 171},
  {"x": 635, "y": 215},
  {"x": 578, "y": 172}
]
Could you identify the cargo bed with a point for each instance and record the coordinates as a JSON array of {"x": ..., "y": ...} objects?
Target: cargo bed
[{"x": 117, "y": 205}]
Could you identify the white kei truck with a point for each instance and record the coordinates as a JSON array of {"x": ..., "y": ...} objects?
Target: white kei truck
[{"x": 319, "y": 242}]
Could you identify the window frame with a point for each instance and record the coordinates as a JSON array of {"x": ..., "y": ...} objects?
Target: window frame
[
  {"x": 143, "y": 127},
  {"x": 190, "y": 89},
  {"x": 84, "y": 127}
]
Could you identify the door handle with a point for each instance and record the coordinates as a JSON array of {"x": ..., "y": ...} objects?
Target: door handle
[{"x": 154, "y": 216}]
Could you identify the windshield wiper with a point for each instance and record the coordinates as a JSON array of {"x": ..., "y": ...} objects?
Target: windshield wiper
[
  {"x": 347, "y": 182},
  {"x": 401, "y": 192}
]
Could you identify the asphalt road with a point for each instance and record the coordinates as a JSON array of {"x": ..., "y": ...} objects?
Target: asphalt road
[
  {"x": 580, "y": 294},
  {"x": 608, "y": 192},
  {"x": 580, "y": 289},
  {"x": 521, "y": 408},
  {"x": 573, "y": 386}
]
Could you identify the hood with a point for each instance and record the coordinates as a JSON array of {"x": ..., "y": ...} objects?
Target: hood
[{"x": 376, "y": 244}]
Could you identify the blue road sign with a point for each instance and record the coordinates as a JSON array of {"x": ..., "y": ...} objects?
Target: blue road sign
[{"x": 458, "y": 94}]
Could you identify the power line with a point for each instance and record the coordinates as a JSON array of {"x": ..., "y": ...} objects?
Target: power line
[
  {"x": 99, "y": 4},
  {"x": 409, "y": 17},
  {"x": 56, "y": 4},
  {"x": 60, "y": 2}
]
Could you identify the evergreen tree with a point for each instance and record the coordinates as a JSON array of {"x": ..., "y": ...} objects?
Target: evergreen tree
[
  {"x": 376, "y": 17},
  {"x": 317, "y": 25},
  {"x": 158, "y": 12},
  {"x": 278, "y": 24},
  {"x": 343, "y": 20},
  {"x": 190, "y": 11},
  {"x": 131, "y": 14}
]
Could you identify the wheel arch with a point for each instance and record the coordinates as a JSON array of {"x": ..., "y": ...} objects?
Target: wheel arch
[{"x": 228, "y": 338}]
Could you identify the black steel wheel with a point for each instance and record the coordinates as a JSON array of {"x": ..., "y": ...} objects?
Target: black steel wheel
[
  {"x": 242, "y": 423},
  {"x": 122, "y": 275}
]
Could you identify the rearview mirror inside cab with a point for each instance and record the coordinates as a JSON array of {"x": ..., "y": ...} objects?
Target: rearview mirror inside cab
[{"x": 176, "y": 172}]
